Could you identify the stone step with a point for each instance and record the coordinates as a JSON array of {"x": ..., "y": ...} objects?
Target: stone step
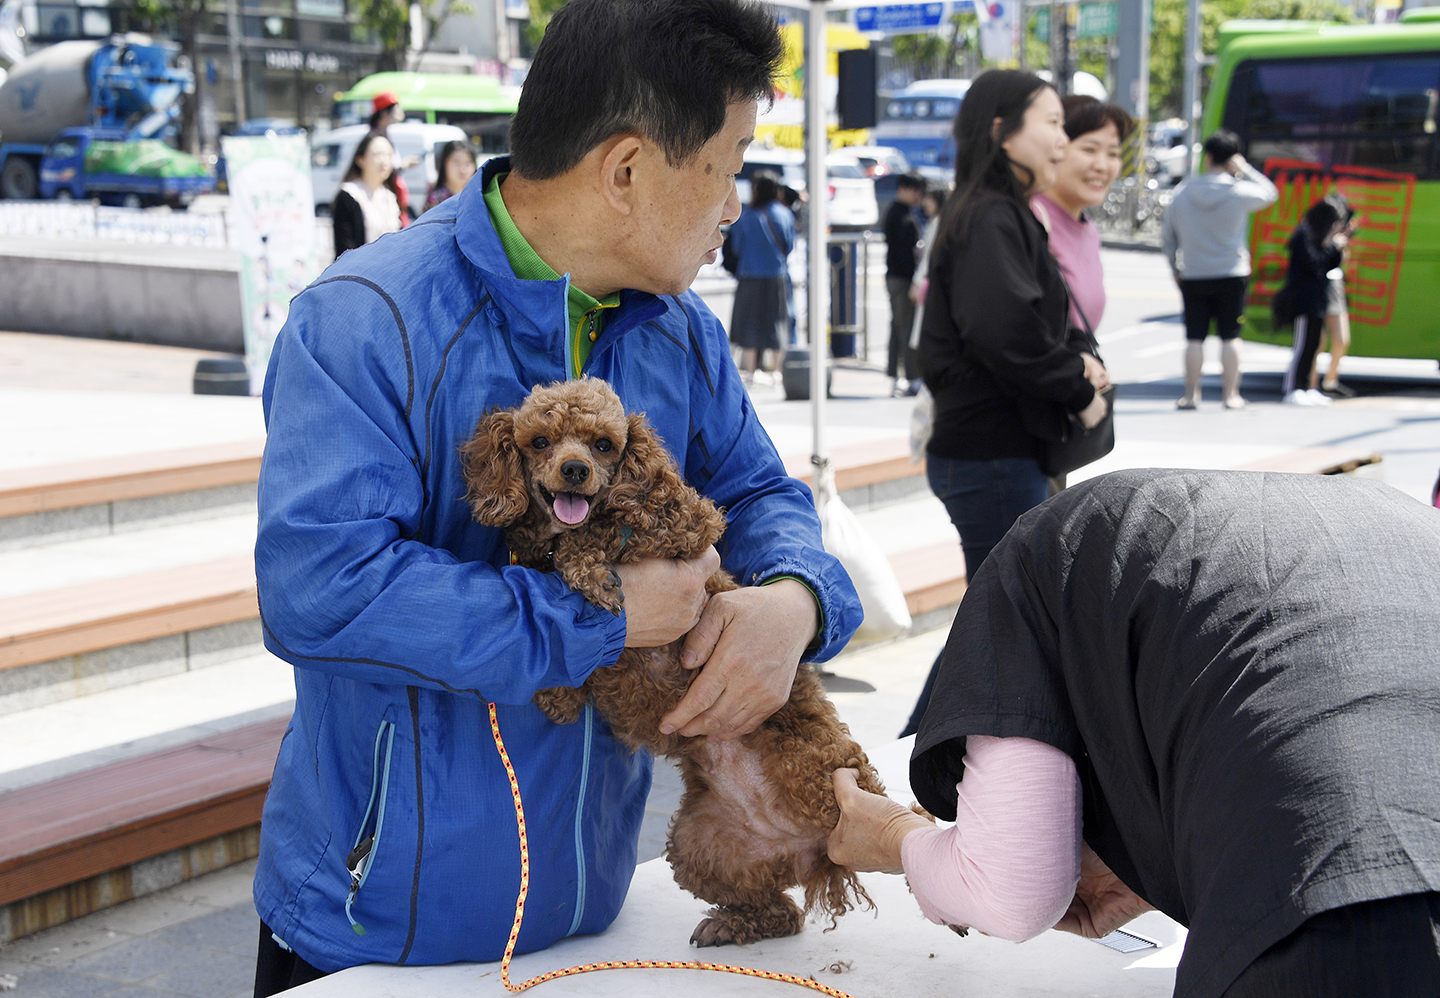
[
  {"x": 66, "y": 642},
  {"x": 59, "y": 502}
]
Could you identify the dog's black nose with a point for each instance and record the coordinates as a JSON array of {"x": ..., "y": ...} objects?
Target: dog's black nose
[{"x": 575, "y": 472}]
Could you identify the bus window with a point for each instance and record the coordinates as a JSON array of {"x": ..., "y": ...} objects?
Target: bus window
[{"x": 1374, "y": 111}]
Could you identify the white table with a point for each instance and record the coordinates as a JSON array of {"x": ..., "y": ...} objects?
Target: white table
[{"x": 891, "y": 951}]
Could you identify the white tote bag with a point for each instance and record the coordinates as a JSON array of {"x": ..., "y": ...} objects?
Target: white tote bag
[{"x": 886, "y": 614}]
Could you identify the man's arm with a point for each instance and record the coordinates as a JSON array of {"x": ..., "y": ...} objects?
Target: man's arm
[
  {"x": 345, "y": 585},
  {"x": 1254, "y": 188}
]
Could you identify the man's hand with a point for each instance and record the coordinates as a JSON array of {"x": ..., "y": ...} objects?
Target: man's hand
[
  {"x": 749, "y": 642},
  {"x": 1102, "y": 903},
  {"x": 1236, "y": 164},
  {"x": 871, "y": 827},
  {"x": 664, "y": 598}
]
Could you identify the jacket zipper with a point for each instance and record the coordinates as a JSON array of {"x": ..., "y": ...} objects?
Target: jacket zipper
[
  {"x": 579, "y": 823},
  {"x": 362, "y": 857}
]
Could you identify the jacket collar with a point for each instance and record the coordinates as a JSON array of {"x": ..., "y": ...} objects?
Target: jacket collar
[{"x": 536, "y": 309}]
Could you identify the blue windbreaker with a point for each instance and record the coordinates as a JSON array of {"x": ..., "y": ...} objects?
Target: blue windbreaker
[{"x": 403, "y": 617}]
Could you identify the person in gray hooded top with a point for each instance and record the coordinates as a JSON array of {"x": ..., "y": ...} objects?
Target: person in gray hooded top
[{"x": 1203, "y": 236}]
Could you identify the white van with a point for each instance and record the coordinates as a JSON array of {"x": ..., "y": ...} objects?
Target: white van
[{"x": 332, "y": 151}]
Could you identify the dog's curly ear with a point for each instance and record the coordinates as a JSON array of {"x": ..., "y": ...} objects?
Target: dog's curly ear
[
  {"x": 651, "y": 496},
  {"x": 494, "y": 474}
]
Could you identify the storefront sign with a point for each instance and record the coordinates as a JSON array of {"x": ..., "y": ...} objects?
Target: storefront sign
[
  {"x": 294, "y": 59},
  {"x": 320, "y": 8}
]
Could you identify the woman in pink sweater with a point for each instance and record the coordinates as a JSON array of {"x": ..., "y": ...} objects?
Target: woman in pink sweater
[{"x": 1082, "y": 181}]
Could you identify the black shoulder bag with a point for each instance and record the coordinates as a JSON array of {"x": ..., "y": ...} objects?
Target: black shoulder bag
[{"x": 1079, "y": 446}]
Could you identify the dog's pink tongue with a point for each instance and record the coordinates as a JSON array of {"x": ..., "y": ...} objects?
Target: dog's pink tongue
[{"x": 570, "y": 508}]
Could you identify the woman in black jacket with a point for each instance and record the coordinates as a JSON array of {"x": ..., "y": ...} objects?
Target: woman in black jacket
[
  {"x": 994, "y": 344},
  {"x": 1317, "y": 247},
  {"x": 364, "y": 209}
]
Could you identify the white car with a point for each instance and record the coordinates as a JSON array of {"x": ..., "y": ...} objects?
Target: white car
[
  {"x": 879, "y": 161},
  {"x": 789, "y": 164},
  {"x": 852, "y": 193},
  {"x": 332, "y": 151}
]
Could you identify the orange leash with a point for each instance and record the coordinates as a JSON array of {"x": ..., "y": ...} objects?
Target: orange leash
[{"x": 768, "y": 975}]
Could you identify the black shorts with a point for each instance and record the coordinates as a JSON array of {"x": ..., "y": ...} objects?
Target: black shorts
[{"x": 1221, "y": 299}]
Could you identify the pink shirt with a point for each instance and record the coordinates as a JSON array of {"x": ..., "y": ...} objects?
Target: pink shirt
[
  {"x": 1009, "y": 865},
  {"x": 1075, "y": 244}
]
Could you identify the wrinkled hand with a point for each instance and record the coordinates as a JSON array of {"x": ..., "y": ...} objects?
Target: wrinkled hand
[
  {"x": 747, "y": 646},
  {"x": 1102, "y": 902},
  {"x": 1091, "y": 415},
  {"x": 664, "y": 598},
  {"x": 871, "y": 827},
  {"x": 1095, "y": 372}
]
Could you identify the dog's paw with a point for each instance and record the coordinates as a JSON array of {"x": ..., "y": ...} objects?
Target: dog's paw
[
  {"x": 721, "y": 932},
  {"x": 562, "y": 704}
]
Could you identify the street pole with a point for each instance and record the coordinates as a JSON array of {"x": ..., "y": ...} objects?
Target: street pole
[
  {"x": 237, "y": 64},
  {"x": 1191, "y": 97},
  {"x": 816, "y": 182}
]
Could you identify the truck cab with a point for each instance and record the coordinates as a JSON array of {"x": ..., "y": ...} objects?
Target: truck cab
[{"x": 103, "y": 163}]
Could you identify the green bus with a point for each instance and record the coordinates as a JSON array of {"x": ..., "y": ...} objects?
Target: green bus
[
  {"x": 480, "y": 105},
  {"x": 1353, "y": 109}
]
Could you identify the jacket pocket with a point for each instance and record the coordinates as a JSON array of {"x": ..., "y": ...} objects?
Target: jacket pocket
[{"x": 367, "y": 839}]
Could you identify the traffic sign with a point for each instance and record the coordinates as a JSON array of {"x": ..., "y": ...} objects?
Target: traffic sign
[
  {"x": 1097, "y": 20},
  {"x": 899, "y": 19}
]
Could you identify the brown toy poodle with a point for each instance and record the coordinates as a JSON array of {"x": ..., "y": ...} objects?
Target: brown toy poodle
[{"x": 579, "y": 486}]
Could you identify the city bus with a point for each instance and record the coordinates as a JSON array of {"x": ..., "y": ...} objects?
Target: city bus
[
  {"x": 1350, "y": 109},
  {"x": 919, "y": 121},
  {"x": 478, "y": 104}
]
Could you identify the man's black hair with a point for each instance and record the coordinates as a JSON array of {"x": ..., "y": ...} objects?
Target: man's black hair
[
  {"x": 1221, "y": 146},
  {"x": 667, "y": 70},
  {"x": 911, "y": 181}
]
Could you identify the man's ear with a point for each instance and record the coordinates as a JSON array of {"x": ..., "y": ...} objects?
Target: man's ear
[{"x": 617, "y": 172}]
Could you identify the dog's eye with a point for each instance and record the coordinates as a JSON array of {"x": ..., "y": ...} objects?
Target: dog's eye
[
  {"x": 540, "y": 443},
  {"x": 604, "y": 446}
]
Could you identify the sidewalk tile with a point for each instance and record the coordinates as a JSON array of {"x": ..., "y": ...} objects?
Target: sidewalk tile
[{"x": 139, "y": 959}]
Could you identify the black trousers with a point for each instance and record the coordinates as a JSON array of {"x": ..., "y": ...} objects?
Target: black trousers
[
  {"x": 277, "y": 969},
  {"x": 1379, "y": 949},
  {"x": 1308, "y": 330}
]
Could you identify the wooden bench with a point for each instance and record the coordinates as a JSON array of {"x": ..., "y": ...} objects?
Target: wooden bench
[
  {"x": 56, "y": 623},
  {"x": 131, "y": 476},
  {"x": 74, "y": 829}
]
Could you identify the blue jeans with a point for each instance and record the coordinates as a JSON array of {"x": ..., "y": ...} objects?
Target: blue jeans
[{"x": 984, "y": 499}]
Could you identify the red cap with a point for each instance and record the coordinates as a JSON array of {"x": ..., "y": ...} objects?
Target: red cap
[{"x": 386, "y": 98}]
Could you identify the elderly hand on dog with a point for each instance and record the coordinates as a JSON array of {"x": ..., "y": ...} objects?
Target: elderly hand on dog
[{"x": 748, "y": 641}]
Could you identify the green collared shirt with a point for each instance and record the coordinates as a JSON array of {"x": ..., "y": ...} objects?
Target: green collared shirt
[{"x": 586, "y": 313}]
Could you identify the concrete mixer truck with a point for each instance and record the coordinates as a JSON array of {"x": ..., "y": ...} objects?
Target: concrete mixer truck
[{"x": 83, "y": 119}]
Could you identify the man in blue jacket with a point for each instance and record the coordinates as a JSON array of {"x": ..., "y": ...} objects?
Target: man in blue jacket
[{"x": 389, "y": 831}]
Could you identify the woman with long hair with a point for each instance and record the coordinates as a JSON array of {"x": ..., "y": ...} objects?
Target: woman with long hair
[
  {"x": 453, "y": 169},
  {"x": 995, "y": 349},
  {"x": 1317, "y": 246},
  {"x": 762, "y": 238},
  {"x": 365, "y": 209}
]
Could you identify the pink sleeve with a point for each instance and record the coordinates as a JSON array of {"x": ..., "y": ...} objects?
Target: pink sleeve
[{"x": 1009, "y": 865}]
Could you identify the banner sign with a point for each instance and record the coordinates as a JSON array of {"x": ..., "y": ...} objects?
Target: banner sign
[
  {"x": 900, "y": 19},
  {"x": 272, "y": 223}
]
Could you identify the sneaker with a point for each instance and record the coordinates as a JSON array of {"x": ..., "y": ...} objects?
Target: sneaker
[
  {"x": 1337, "y": 389},
  {"x": 1317, "y": 397},
  {"x": 1298, "y": 397}
]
